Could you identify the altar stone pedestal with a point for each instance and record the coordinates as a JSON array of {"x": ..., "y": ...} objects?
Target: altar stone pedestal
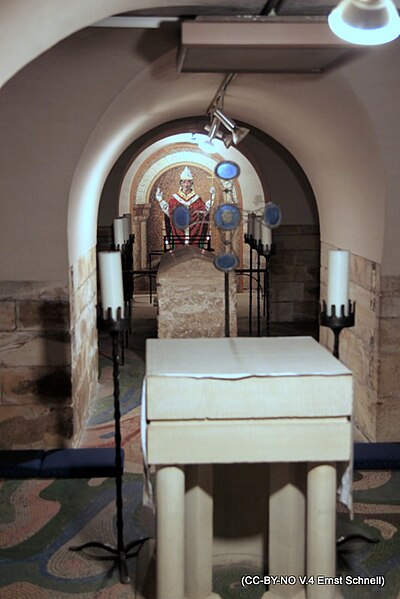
[{"x": 191, "y": 295}]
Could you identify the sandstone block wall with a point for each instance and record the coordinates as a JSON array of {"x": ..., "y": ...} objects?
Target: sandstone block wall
[
  {"x": 35, "y": 365},
  {"x": 84, "y": 342},
  {"x": 191, "y": 296},
  {"x": 388, "y": 367},
  {"x": 371, "y": 348},
  {"x": 294, "y": 273}
]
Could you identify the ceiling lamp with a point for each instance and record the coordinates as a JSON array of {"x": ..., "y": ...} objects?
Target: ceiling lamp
[
  {"x": 365, "y": 22},
  {"x": 238, "y": 133},
  {"x": 226, "y": 138},
  {"x": 234, "y": 133}
]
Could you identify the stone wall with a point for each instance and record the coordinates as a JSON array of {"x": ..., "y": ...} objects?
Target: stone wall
[
  {"x": 48, "y": 358},
  {"x": 295, "y": 273},
  {"x": 35, "y": 365},
  {"x": 371, "y": 348},
  {"x": 84, "y": 345},
  {"x": 388, "y": 368}
]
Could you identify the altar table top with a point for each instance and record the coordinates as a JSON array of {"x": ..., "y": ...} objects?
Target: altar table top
[{"x": 228, "y": 378}]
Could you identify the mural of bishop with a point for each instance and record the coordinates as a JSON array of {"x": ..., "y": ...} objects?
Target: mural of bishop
[{"x": 197, "y": 229}]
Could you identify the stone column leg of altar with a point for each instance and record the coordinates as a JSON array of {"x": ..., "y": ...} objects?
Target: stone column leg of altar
[
  {"x": 321, "y": 528},
  {"x": 287, "y": 509},
  {"x": 199, "y": 532},
  {"x": 170, "y": 515}
]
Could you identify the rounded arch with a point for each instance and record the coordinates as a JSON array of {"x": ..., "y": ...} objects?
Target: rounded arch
[
  {"x": 319, "y": 121},
  {"x": 27, "y": 33},
  {"x": 139, "y": 174}
]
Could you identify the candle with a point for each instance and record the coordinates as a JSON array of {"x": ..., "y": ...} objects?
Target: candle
[
  {"x": 111, "y": 288},
  {"x": 250, "y": 225},
  {"x": 127, "y": 224},
  {"x": 266, "y": 237},
  {"x": 118, "y": 227},
  {"x": 338, "y": 282},
  {"x": 257, "y": 228}
]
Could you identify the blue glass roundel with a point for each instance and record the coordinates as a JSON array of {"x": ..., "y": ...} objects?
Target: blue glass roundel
[
  {"x": 272, "y": 215},
  {"x": 226, "y": 262},
  {"x": 181, "y": 217},
  {"x": 227, "y": 170},
  {"x": 227, "y": 217}
]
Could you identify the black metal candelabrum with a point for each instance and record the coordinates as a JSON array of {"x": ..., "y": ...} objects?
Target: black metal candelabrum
[
  {"x": 127, "y": 281},
  {"x": 116, "y": 327},
  {"x": 265, "y": 251},
  {"x": 337, "y": 322}
]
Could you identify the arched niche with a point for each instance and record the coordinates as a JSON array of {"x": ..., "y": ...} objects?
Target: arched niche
[
  {"x": 319, "y": 121},
  {"x": 160, "y": 164}
]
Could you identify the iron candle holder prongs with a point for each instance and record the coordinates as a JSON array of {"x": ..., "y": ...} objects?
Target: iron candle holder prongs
[
  {"x": 337, "y": 322},
  {"x": 116, "y": 327},
  {"x": 267, "y": 250}
]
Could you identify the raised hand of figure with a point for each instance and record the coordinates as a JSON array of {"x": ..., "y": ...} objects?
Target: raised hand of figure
[
  {"x": 210, "y": 202},
  {"x": 159, "y": 195},
  {"x": 162, "y": 203}
]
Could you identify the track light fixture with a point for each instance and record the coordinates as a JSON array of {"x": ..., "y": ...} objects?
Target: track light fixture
[
  {"x": 226, "y": 138},
  {"x": 234, "y": 133},
  {"x": 238, "y": 133},
  {"x": 365, "y": 22}
]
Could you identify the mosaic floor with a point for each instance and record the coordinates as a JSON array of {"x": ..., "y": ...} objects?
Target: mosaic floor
[{"x": 41, "y": 519}]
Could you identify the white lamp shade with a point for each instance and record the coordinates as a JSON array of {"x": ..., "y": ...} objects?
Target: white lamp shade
[
  {"x": 111, "y": 287},
  {"x": 365, "y": 22},
  {"x": 266, "y": 236},
  {"x": 338, "y": 282},
  {"x": 118, "y": 228}
]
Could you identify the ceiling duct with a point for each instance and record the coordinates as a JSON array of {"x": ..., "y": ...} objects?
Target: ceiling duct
[{"x": 260, "y": 45}]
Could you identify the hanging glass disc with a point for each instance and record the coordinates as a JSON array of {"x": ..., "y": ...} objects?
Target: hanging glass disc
[
  {"x": 226, "y": 262},
  {"x": 181, "y": 217},
  {"x": 227, "y": 170},
  {"x": 272, "y": 215},
  {"x": 227, "y": 217}
]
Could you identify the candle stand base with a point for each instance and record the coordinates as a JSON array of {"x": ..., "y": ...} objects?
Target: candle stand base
[
  {"x": 337, "y": 322},
  {"x": 120, "y": 553}
]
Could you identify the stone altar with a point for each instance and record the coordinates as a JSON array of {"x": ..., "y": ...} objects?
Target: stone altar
[{"x": 191, "y": 296}]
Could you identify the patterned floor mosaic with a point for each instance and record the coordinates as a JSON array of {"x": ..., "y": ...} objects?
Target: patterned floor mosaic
[{"x": 41, "y": 519}]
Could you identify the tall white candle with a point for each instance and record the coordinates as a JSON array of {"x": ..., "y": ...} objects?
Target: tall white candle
[
  {"x": 266, "y": 237},
  {"x": 338, "y": 281},
  {"x": 128, "y": 216},
  {"x": 126, "y": 219},
  {"x": 257, "y": 228},
  {"x": 118, "y": 226},
  {"x": 250, "y": 224},
  {"x": 112, "y": 294}
]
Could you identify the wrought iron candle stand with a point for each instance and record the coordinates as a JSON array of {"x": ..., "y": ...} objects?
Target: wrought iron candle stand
[
  {"x": 265, "y": 251},
  {"x": 337, "y": 322},
  {"x": 249, "y": 239},
  {"x": 127, "y": 282},
  {"x": 116, "y": 328}
]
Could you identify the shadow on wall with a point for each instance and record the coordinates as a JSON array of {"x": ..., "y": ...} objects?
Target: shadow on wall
[{"x": 36, "y": 394}]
